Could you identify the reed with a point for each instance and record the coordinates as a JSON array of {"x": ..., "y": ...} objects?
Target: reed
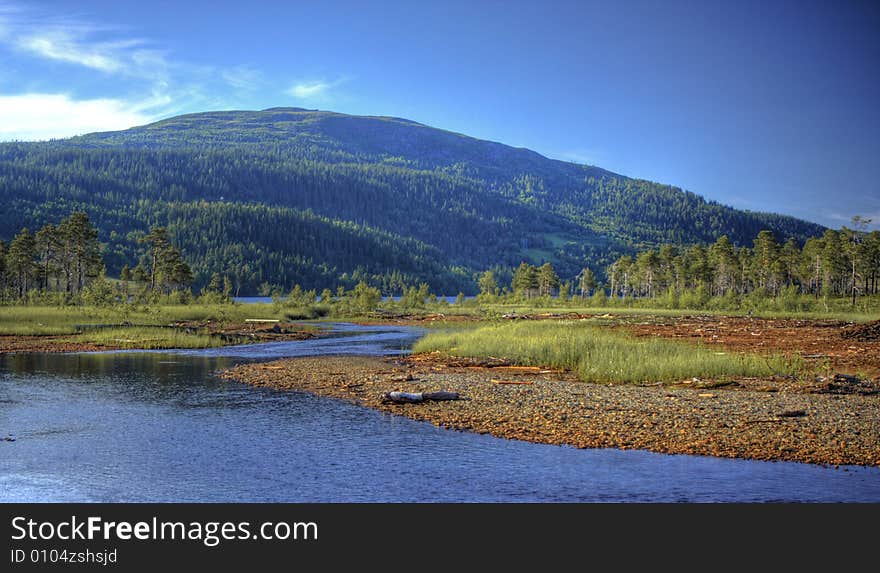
[
  {"x": 598, "y": 355},
  {"x": 148, "y": 338}
]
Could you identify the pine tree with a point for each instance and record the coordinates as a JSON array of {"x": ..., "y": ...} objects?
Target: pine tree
[
  {"x": 3, "y": 277},
  {"x": 82, "y": 252},
  {"x": 647, "y": 264},
  {"x": 586, "y": 282},
  {"x": 159, "y": 244},
  {"x": 790, "y": 261},
  {"x": 525, "y": 280},
  {"x": 124, "y": 279},
  {"x": 853, "y": 247},
  {"x": 48, "y": 246},
  {"x": 488, "y": 285},
  {"x": 565, "y": 291},
  {"x": 833, "y": 263},
  {"x": 20, "y": 263},
  {"x": 548, "y": 280},
  {"x": 168, "y": 270},
  {"x": 765, "y": 262},
  {"x": 725, "y": 263},
  {"x": 620, "y": 274}
]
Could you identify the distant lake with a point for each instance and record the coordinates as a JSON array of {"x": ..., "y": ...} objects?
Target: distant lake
[
  {"x": 163, "y": 427},
  {"x": 251, "y": 299}
]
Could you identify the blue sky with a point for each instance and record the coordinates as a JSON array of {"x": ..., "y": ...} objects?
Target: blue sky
[{"x": 767, "y": 106}]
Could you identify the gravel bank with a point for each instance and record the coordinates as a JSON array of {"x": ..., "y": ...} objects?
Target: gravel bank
[
  {"x": 553, "y": 408},
  {"x": 14, "y": 344}
]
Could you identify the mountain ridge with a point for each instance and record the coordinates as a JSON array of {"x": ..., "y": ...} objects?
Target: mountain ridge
[{"x": 414, "y": 192}]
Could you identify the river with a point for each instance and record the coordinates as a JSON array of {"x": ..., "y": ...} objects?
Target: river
[{"x": 162, "y": 427}]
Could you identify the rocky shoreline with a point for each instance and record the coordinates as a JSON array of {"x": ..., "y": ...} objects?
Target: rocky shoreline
[
  {"x": 830, "y": 424},
  {"x": 14, "y": 344}
]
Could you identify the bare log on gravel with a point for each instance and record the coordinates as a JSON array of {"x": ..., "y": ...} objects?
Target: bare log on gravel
[{"x": 418, "y": 397}]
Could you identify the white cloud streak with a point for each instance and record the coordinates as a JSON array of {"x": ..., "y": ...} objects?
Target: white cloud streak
[
  {"x": 40, "y": 114},
  {"x": 60, "y": 39},
  {"x": 306, "y": 90},
  {"x": 242, "y": 77},
  {"x": 47, "y": 116},
  {"x": 63, "y": 47},
  {"x": 317, "y": 90},
  {"x": 42, "y": 105}
]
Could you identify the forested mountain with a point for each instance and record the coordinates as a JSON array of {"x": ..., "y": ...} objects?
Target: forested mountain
[{"x": 289, "y": 196}]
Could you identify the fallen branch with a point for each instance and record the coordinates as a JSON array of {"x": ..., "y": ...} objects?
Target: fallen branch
[
  {"x": 520, "y": 382},
  {"x": 418, "y": 397}
]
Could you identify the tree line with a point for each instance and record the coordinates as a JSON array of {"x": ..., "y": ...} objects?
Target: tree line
[
  {"x": 64, "y": 261},
  {"x": 840, "y": 263}
]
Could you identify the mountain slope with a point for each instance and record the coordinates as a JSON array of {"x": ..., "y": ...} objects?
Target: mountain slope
[{"x": 288, "y": 195}]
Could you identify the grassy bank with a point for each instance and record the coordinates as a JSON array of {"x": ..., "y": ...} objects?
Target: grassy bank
[
  {"x": 147, "y": 338},
  {"x": 59, "y": 320},
  {"x": 846, "y": 315},
  {"x": 597, "y": 355}
]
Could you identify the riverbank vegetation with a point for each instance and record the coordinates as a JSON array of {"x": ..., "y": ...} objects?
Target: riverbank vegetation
[
  {"x": 147, "y": 338},
  {"x": 63, "y": 264},
  {"x": 599, "y": 355},
  {"x": 53, "y": 282},
  {"x": 825, "y": 274}
]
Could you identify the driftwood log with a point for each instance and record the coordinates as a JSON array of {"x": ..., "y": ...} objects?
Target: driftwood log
[{"x": 417, "y": 397}]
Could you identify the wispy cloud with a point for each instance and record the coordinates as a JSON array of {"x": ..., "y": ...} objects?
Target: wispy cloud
[
  {"x": 242, "y": 77},
  {"x": 47, "y": 116},
  {"x": 64, "y": 47},
  {"x": 135, "y": 66},
  {"x": 314, "y": 89},
  {"x": 306, "y": 90},
  {"x": 40, "y": 99},
  {"x": 61, "y": 38}
]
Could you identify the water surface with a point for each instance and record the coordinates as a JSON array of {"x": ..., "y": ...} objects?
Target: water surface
[{"x": 161, "y": 426}]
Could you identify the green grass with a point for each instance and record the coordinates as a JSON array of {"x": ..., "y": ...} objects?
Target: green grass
[
  {"x": 147, "y": 338},
  {"x": 597, "y": 355},
  {"x": 25, "y": 320},
  {"x": 843, "y": 315},
  {"x": 47, "y": 320}
]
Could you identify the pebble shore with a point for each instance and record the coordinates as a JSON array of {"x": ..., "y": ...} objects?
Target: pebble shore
[{"x": 753, "y": 420}]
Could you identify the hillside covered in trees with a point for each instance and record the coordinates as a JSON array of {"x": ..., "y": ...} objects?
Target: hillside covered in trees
[{"x": 286, "y": 196}]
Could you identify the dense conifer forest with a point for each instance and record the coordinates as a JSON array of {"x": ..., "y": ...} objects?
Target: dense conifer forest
[{"x": 320, "y": 199}]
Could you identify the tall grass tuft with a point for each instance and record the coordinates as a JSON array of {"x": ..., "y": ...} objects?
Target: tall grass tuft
[
  {"x": 55, "y": 320},
  {"x": 148, "y": 338},
  {"x": 598, "y": 355}
]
